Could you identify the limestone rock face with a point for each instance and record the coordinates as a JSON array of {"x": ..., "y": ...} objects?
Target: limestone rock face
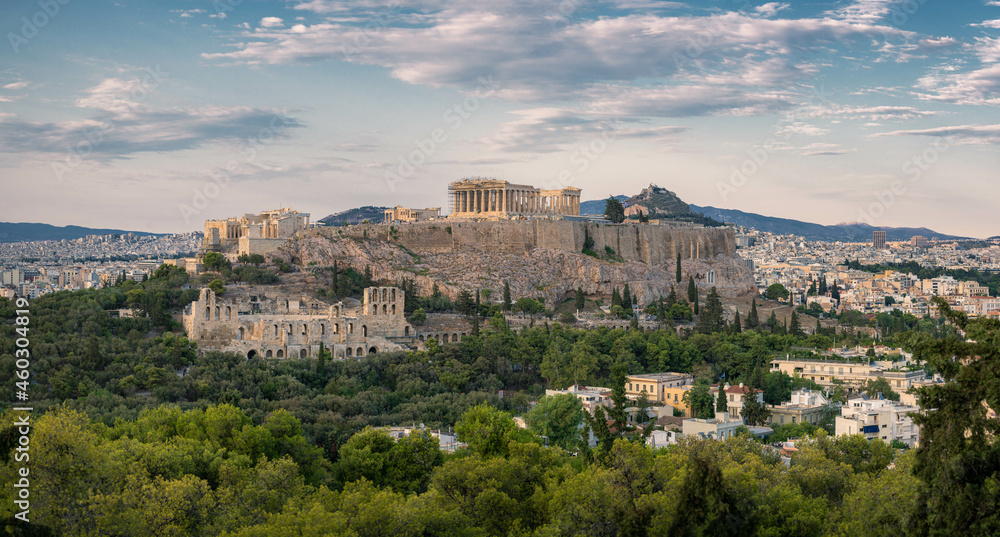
[{"x": 532, "y": 271}]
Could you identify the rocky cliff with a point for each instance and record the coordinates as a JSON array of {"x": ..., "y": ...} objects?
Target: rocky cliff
[{"x": 537, "y": 258}]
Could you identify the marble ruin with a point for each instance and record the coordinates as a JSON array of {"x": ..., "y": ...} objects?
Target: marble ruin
[
  {"x": 485, "y": 198},
  {"x": 405, "y": 214},
  {"x": 283, "y": 327},
  {"x": 253, "y": 233}
]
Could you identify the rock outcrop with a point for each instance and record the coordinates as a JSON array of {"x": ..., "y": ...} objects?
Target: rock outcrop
[{"x": 483, "y": 255}]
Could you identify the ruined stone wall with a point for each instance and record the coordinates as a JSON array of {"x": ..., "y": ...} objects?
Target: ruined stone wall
[{"x": 647, "y": 243}]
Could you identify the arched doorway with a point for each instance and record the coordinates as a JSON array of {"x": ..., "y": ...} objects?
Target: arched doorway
[
  {"x": 302, "y": 353},
  {"x": 281, "y": 353},
  {"x": 269, "y": 353},
  {"x": 251, "y": 354},
  {"x": 361, "y": 352},
  {"x": 373, "y": 350}
]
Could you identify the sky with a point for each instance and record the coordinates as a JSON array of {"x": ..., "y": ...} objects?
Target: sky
[{"x": 156, "y": 116}]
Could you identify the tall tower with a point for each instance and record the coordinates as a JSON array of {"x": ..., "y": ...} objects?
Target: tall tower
[{"x": 878, "y": 239}]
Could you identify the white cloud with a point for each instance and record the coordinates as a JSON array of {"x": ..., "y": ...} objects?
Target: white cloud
[
  {"x": 987, "y": 24},
  {"x": 271, "y": 22},
  {"x": 961, "y": 134},
  {"x": 771, "y": 8},
  {"x": 17, "y": 85}
]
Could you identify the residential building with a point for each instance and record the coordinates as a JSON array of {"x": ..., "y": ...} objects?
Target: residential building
[
  {"x": 655, "y": 385},
  {"x": 878, "y": 239},
  {"x": 734, "y": 397},
  {"x": 806, "y": 406},
  {"x": 878, "y": 418},
  {"x": 852, "y": 375},
  {"x": 591, "y": 396},
  {"x": 720, "y": 427}
]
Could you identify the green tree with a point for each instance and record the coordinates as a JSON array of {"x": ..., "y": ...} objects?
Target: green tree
[
  {"x": 678, "y": 268},
  {"x": 506, "y": 296},
  {"x": 737, "y": 324},
  {"x": 486, "y": 430},
  {"x": 880, "y": 385},
  {"x": 418, "y": 316},
  {"x": 215, "y": 261},
  {"x": 581, "y": 301},
  {"x": 627, "y": 298},
  {"x": 794, "y": 327},
  {"x": 614, "y": 210},
  {"x": 752, "y": 318},
  {"x": 558, "y": 417},
  {"x": 217, "y": 287},
  {"x": 699, "y": 400},
  {"x": 710, "y": 320},
  {"x": 777, "y": 292},
  {"x": 754, "y": 412}
]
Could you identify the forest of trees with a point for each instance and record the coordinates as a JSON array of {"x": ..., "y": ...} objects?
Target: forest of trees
[{"x": 136, "y": 432}]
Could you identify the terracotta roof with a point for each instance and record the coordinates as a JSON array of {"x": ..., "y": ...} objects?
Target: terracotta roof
[{"x": 740, "y": 389}]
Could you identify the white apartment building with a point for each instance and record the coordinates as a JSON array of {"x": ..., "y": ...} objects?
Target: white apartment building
[{"x": 878, "y": 418}]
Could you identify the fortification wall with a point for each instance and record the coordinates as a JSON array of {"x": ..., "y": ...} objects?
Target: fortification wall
[{"x": 647, "y": 243}]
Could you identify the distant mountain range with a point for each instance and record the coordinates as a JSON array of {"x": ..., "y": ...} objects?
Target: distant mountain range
[
  {"x": 355, "y": 216},
  {"x": 20, "y": 231},
  {"x": 849, "y": 232}
]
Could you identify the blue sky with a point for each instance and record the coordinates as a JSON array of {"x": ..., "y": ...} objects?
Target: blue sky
[{"x": 157, "y": 115}]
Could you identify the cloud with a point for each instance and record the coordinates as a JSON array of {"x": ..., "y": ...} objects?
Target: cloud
[
  {"x": 271, "y": 22},
  {"x": 122, "y": 124},
  {"x": 771, "y": 8},
  {"x": 870, "y": 113},
  {"x": 962, "y": 134},
  {"x": 547, "y": 130},
  {"x": 535, "y": 60},
  {"x": 802, "y": 128},
  {"x": 976, "y": 87},
  {"x": 987, "y": 24},
  {"x": 17, "y": 85},
  {"x": 823, "y": 150}
]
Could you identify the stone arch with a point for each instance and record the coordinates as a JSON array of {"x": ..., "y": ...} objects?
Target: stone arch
[
  {"x": 281, "y": 353},
  {"x": 421, "y": 337},
  {"x": 393, "y": 309},
  {"x": 373, "y": 350},
  {"x": 385, "y": 309},
  {"x": 239, "y": 334},
  {"x": 322, "y": 329},
  {"x": 454, "y": 338},
  {"x": 364, "y": 331},
  {"x": 251, "y": 354},
  {"x": 361, "y": 351},
  {"x": 336, "y": 328},
  {"x": 275, "y": 330},
  {"x": 303, "y": 353},
  {"x": 218, "y": 312},
  {"x": 350, "y": 352},
  {"x": 208, "y": 313},
  {"x": 392, "y": 295},
  {"x": 229, "y": 313},
  {"x": 269, "y": 353}
]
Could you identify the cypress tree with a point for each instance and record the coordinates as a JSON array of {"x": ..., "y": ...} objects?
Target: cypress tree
[
  {"x": 616, "y": 299},
  {"x": 737, "y": 328},
  {"x": 506, "y": 296},
  {"x": 678, "y": 267},
  {"x": 581, "y": 301},
  {"x": 795, "y": 328},
  {"x": 627, "y": 298},
  {"x": 671, "y": 298},
  {"x": 752, "y": 319}
]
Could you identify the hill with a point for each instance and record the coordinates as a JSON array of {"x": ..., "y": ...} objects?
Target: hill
[
  {"x": 848, "y": 232},
  {"x": 355, "y": 216},
  {"x": 657, "y": 202},
  {"x": 24, "y": 231}
]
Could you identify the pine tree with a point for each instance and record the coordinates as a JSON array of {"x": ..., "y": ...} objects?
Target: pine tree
[
  {"x": 506, "y": 296},
  {"x": 772, "y": 323},
  {"x": 753, "y": 321},
  {"x": 627, "y": 299},
  {"x": 692, "y": 290},
  {"x": 581, "y": 301},
  {"x": 671, "y": 298},
  {"x": 737, "y": 327},
  {"x": 678, "y": 267},
  {"x": 616, "y": 299}
]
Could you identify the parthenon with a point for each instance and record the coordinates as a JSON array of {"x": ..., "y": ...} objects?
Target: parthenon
[{"x": 484, "y": 197}]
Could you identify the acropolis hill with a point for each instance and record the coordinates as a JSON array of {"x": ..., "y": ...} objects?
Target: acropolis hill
[{"x": 538, "y": 257}]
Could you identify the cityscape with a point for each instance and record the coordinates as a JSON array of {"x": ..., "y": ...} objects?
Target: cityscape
[{"x": 422, "y": 268}]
